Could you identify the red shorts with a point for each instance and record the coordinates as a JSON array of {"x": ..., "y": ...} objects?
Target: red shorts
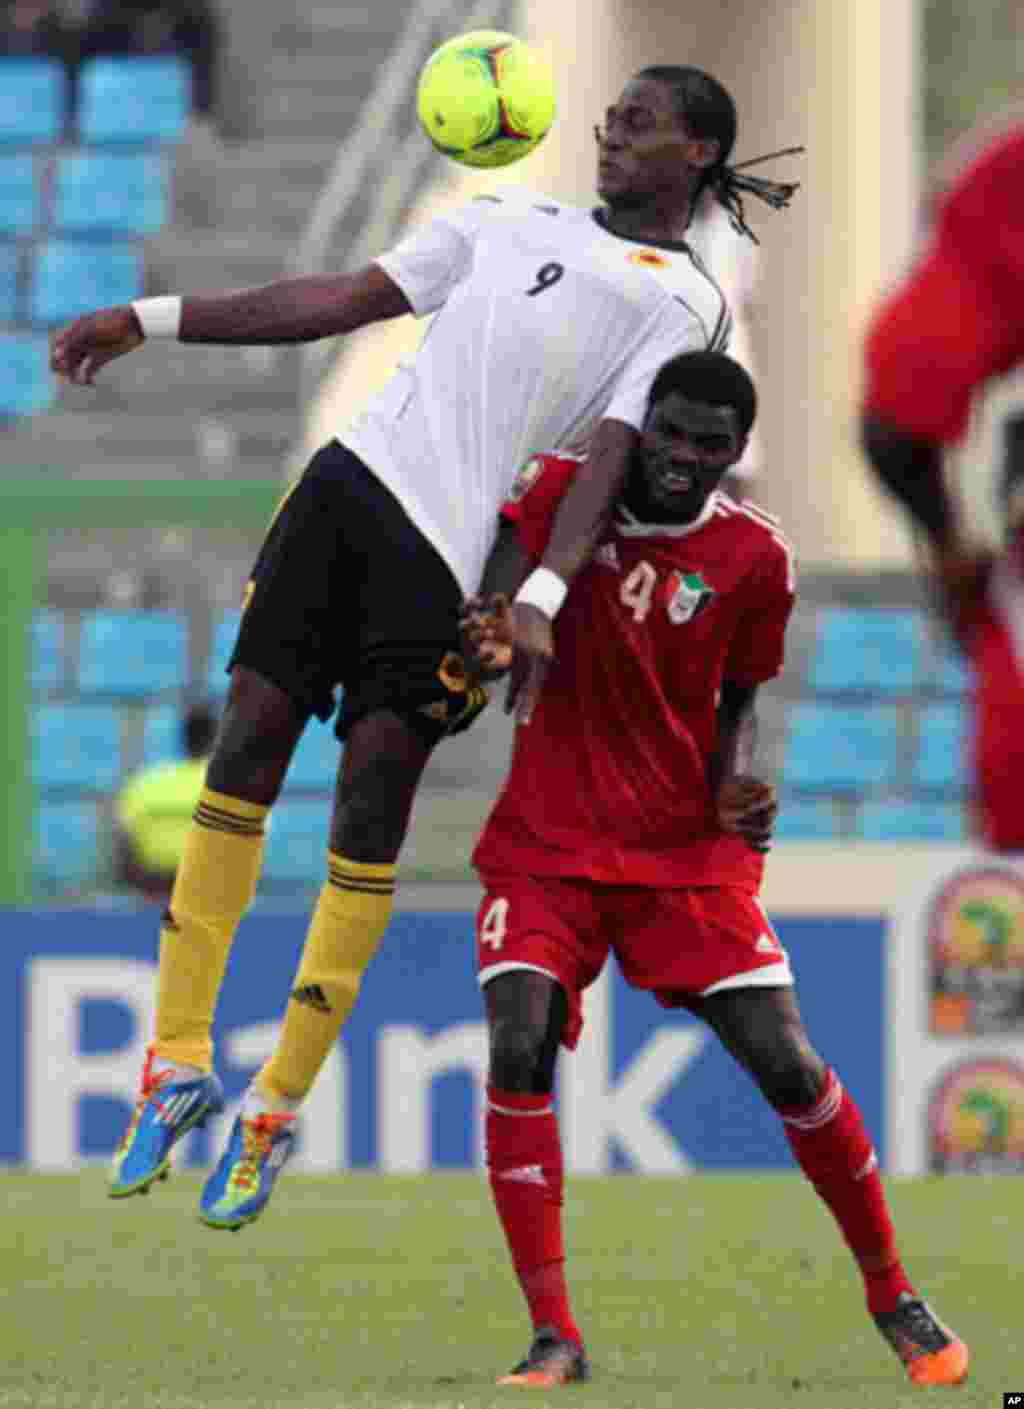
[
  {"x": 999, "y": 726},
  {"x": 680, "y": 943}
]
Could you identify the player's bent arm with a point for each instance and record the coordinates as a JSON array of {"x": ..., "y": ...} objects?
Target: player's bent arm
[
  {"x": 584, "y": 510},
  {"x": 744, "y": 804},
  {"x": 737, "y": 732},
  {"x": 508, "y": 564},
  {"x": 289, "y": 311}
]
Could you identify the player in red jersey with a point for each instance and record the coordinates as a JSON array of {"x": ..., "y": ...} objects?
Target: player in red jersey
[
  {"x": 954, "y": 323},
  {"x": 630, "y": 822}
]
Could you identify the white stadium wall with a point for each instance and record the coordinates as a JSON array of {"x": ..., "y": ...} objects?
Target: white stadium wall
[{"x": 823, "y": 73}]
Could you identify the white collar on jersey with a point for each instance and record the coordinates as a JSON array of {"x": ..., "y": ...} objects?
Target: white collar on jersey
[{"x": 630, "y": 526}]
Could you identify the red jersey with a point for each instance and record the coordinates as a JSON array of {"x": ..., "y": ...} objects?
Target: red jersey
[
  {"x": 958, "y": 318},
  {"x": 608, "y": 781}
]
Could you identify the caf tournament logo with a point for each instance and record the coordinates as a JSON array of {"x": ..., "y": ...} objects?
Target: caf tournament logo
[
  {"x": 975, "y": 929},
  {"x": 687, "y": 596},
  {"x": 976, "y": 1119}
]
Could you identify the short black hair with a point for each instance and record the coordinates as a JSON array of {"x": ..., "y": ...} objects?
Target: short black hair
[
  {"x": 199, "y": 729},
  {"x": 709, "y": 113},
  {"x": 710, "y": 377}
]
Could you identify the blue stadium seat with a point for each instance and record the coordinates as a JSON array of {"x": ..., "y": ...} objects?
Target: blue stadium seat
[
  {"x": 903, "y": 820},
  {"x": 47, "y": 663},
  {"x": 940, "y": 763},
  {"x": 76, "y": 747},
  {"x": 19, "y": 195},
  {"x": 133, "y": 653},
  {"x": 33, "y": 100},
  {"x": 296, "y": 853},
  {"x": 70, "y": 279},
  {"x": 144, "y": 101},
  {"x": 225, "y": 632},
  {"x": 161, "y": 736},
  {"x": 952, "y": 675},
  {"x": 838, "y": 749},
  {"x": 26, "y": 385},
  {"x": 111, "y": 193},
  {"x": 866, "y": 651},
  {"x": 806, "y": 819},
  {"x": 8, "y": 283},
  {"x": 66, "y": 850},
  {"x": 315, "y": 764}
]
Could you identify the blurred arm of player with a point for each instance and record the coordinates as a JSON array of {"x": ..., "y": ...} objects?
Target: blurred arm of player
[
  {"x": 953, "y": 323},
  {"x": 745, "y": 805},
  {"x": 287, "y": 311}
]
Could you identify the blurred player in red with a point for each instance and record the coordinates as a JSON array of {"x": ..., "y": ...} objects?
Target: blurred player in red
[
  {"x": 630, "y": 822},
  {"x": 953, "y": 324}
]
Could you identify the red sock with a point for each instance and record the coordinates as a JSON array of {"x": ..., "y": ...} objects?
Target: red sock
[
  {"x": 524, "y": 1160},
  {"x": 835, "y": 1152}
]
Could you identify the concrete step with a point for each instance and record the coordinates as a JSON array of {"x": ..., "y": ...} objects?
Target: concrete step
[
  {"x": 276, "y": 210},
  {"x": 213, "y": 439},
  {"x": 335, "y": 69},
  {"x": 301, "y": 112},
  {"x": 180, "y": 263},
  {"x": 282, "y": 159}
]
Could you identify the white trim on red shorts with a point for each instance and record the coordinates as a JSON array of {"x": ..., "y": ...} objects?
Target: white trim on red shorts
[
  {"x": 484, "y": 976},
  {"x": 778, "y": 975}
]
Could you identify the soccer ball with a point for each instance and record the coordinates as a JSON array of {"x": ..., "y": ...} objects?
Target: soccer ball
[{"x": 485, "y": 98}]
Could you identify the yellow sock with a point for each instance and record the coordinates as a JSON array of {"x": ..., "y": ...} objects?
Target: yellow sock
[
  {"x": 214, "y": 887},
  {"x": 348, "y": 924}
]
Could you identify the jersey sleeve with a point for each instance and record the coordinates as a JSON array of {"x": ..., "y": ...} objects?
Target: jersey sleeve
[
  {"x": 428, "y": 264},
  {"x": 673, "y": 330},
  {"x": 958, "y": 318},
  {"x": 757, "y": 650},
  {"x": 536, "y": 495}
]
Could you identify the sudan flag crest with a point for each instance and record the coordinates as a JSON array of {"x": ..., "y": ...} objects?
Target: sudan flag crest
[{"x": 688, "y": 595}]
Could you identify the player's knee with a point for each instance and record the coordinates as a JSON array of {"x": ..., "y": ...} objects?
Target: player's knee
[
  {"x": 371, "y": 813},
  {"x": 787, "y": 1069},
  {"x": 256, "y": 740},
  {"x": 517, "y": 1057}
]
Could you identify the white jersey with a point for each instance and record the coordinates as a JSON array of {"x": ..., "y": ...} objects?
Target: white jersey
[{"x": 546, "y": 324}]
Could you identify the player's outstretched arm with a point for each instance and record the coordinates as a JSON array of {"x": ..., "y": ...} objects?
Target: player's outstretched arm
[
  {"x": 288, "y": 311},
  {"x": 577, "y": 527}
]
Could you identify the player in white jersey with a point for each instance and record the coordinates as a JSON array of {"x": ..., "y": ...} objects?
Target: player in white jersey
[{"x": 551, "y": 322}]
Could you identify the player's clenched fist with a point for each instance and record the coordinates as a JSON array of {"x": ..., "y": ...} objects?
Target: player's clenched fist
[
  {"x": 89, "y": 343},
  {"x": 487, "y": 633},
  {"x": 748, "y": 807}
]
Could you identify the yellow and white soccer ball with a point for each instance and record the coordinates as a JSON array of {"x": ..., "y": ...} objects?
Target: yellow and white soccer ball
[{"x": 485, "y": 98}]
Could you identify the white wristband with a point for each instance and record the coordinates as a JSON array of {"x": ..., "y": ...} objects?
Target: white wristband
[
  {"x": 544, "y": 590},
  {"x": 159, "y": 317}
]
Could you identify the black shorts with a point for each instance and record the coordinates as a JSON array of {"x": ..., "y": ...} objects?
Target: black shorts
[{"x": 347, "y": 591}]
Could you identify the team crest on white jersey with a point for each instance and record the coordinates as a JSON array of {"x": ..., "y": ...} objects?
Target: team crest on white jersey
[
  {"x": 526, "y": 479},
  {"x": 650, "y": 259},
  {"x": 688, "y": 596}
]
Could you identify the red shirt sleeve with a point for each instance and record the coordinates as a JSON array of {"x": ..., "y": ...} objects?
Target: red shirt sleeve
[
  {"x": 958, "y": 317},
  {"x": 758, "y": 647},
  {"x": 536, "y": 495}
]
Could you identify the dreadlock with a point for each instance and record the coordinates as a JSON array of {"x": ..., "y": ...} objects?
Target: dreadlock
[{"x": 710, "y": 113}]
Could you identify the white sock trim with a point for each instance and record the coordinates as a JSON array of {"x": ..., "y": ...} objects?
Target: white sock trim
[
  {"x": 507, "y": 1110},
  {"x": 257, "y": 1102}
]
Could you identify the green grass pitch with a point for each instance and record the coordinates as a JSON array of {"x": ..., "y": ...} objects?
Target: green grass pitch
[{"x": 723, "y": 1292}]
